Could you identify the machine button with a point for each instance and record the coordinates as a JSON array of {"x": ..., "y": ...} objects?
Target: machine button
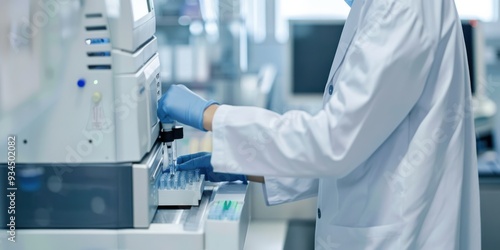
[
  {"x": 319, "y": 213},
  {"x": 330, "y": 89},
  {"x": 81, "y": 83},
  {"x": 96, "y": 97}
]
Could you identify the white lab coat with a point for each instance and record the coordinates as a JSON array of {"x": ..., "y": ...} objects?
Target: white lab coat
[{"x": 391, "y": 156}]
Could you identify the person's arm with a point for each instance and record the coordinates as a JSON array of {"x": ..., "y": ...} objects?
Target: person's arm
[
  {"x": 208, "y": 116},
  {"x": 276, "y": 190},
  {"x": 207, "y": 124},
  {"x": 381, "y": 79}
]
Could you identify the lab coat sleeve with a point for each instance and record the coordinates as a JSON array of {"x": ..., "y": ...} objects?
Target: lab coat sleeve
[
  {"x": 382, "y": 77},
  {"x": 284, "y": 190}
]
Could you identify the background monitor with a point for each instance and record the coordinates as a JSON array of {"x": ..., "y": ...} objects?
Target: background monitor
[
  {"x": 313, "y": 44},
  {"x": 468, "y": 29},
  {"x": 312, "y": 47},
  {"x": 475, "y": 45}
]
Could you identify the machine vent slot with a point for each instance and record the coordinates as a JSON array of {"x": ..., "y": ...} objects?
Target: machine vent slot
[
  {"x": 99, "y": 67},
  {"x": 93, "y": 15},
  {"x": 94, "y": 41},
  {"x": 96, "y": 28},
  {"x": 99, "y": 54}
]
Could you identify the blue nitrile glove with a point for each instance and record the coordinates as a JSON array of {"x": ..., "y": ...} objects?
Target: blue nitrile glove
[
  {"x": 201, "y": 161},
  {"x": 182, "y": 105}
]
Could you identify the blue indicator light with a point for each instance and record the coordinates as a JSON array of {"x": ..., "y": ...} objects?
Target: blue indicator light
[
  {"x": 92, "y": 41},
  {"x": 99, "y": 54},
  {"x": 81, "y": 83}
]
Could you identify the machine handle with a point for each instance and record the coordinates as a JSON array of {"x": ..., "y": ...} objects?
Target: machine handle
[{"x": 158, "y": 167}]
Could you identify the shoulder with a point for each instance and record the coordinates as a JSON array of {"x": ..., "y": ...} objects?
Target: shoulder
[{"x": 422, "y": 16}]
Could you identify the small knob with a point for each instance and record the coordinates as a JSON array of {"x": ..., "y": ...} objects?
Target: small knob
[{"x": 96, "y": 97}]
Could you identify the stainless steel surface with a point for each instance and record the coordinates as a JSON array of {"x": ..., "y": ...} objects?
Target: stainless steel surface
[{"x": 189, "y": 218}]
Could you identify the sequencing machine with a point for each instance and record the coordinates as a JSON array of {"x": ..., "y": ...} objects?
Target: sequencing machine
[{"x": 83, "y": 163}]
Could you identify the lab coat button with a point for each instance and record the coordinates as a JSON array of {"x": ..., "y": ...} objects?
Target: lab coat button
[
  {"x": 319, "y": 213},
  {"x": 330, "y": 89}
]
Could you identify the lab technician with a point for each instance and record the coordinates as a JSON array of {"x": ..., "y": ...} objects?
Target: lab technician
[{"x": 391, "y": 155}]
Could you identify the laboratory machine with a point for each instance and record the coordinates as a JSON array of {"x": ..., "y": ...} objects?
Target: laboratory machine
[{"x": 93, "y": 167}]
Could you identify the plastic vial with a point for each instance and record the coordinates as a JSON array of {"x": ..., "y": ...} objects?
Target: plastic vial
[
  {"x": 175, "y": 179},
  {"x": 168, "y": 179},
  {"x": 197, "y": 175},
  {"x": 162, "y": 182},
  {"x": 190, "y": 177},
  {"x": 182, "y": 180}
]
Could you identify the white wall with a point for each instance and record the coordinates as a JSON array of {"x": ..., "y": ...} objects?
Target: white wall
[{"x": 484, "y": 10}]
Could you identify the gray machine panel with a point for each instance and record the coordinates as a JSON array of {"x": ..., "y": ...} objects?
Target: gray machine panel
[{"x": 72, "y": 196}]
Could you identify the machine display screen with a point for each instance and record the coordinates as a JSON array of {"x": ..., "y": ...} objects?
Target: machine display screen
[{"x": 140, "y": 8}]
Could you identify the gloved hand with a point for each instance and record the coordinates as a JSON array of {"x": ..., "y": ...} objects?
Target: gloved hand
[
  {"x": 182, "y": 105},
  {"x": 202, "y": 161}
]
